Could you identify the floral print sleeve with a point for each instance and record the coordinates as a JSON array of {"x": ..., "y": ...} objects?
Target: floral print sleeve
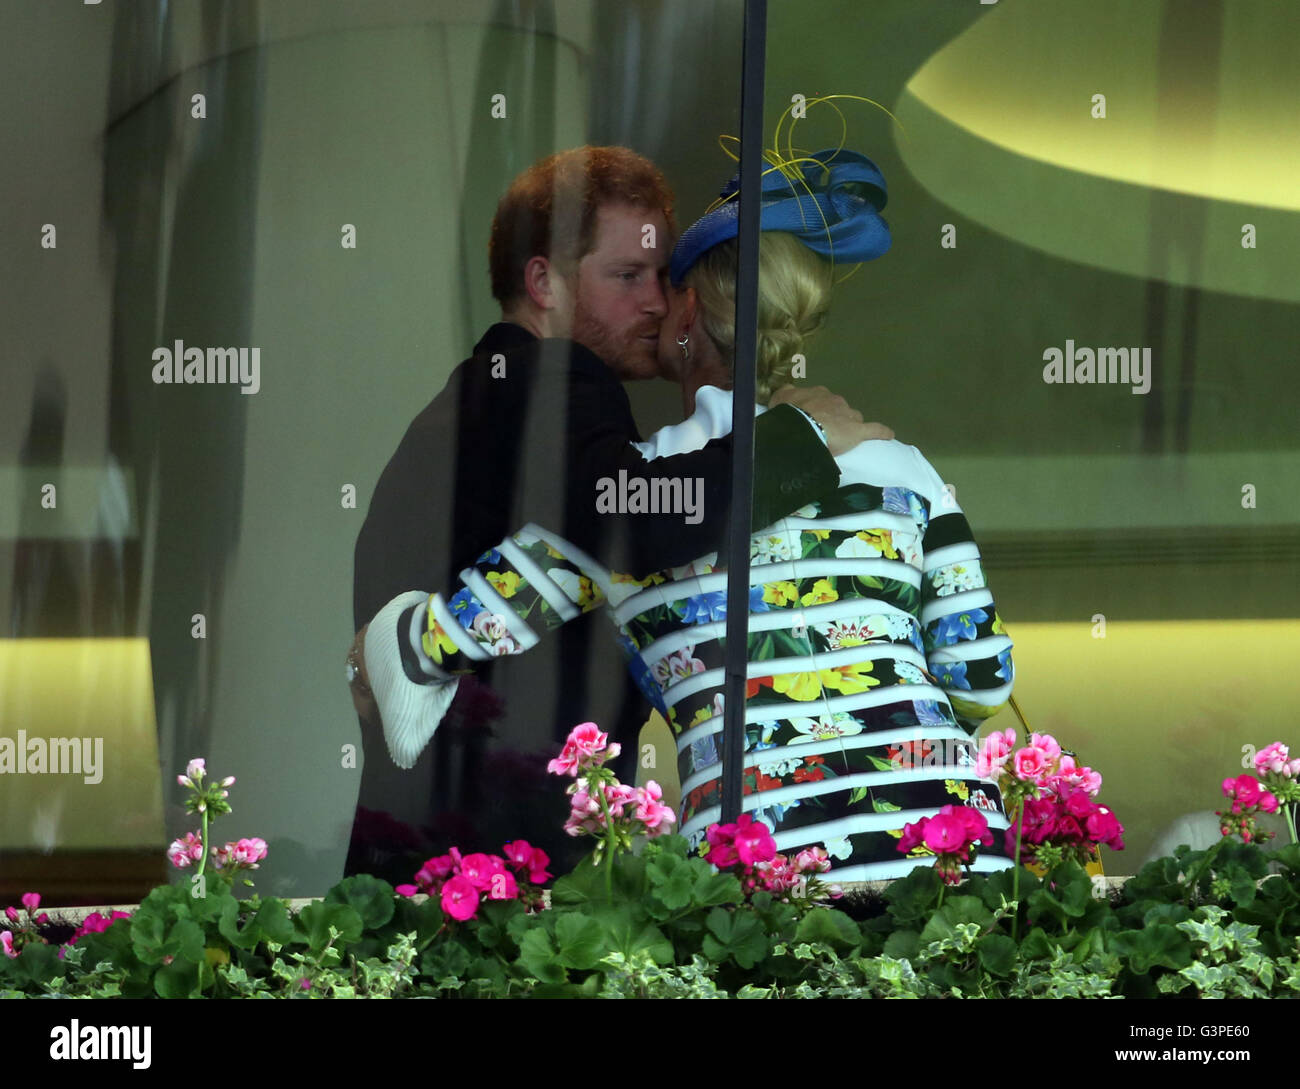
[
  {"x": 523, "y": 584},
  {"x": 966, "y": 647}
]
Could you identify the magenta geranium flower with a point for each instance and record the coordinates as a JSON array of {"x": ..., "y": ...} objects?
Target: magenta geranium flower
[
  {"x": 518, "y": 852},
  {"x": 1245, "y": 790},
  {"x": 946, "y": 834},
  {"x": 459, "y": 898},
  {"x": 1104, "y": 827},
  {"x": 754, "y": 842},
  {"x": 976, "y": 824}
]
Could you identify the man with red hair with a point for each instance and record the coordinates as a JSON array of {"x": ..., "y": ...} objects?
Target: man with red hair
[{"x": 528, "y": 425}]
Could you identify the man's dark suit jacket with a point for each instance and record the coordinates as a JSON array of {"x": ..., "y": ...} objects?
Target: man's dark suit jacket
[{"x": 492, "y": 453}]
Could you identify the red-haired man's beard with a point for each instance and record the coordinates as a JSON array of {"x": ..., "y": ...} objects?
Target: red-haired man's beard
[{"x": 626, "y": 353}]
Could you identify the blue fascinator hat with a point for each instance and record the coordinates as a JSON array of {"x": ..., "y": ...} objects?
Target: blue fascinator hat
[{"x": 831, "y": 204}]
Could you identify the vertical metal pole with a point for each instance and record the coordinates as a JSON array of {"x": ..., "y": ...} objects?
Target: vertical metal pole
[{"x": 742, "y": 415}]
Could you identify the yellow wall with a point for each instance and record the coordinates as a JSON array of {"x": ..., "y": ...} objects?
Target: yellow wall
[{"x": 81, "y": 688}]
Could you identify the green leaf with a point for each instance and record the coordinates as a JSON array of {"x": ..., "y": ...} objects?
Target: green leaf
[
  {"x": 1289, "y": 856},
  {"x": 735, "y": 935},
  {"x": 880, "y": 805},
  {"x": 36, "y": 964},
  {"x": 539, "y": 957},
  {"x": 912, "y": 898},
  {"x": 624, "y": 934},
  {"x": 715, "y": 888},
  {"x": 579, "y": 940},
  {"x": 445, "y": 959},
  {"x": 1241, "y": 885},
  {"x": 997, "y": 953},
  {"x": 274, "y": 922},
  {"x": 1166, "y": 913},
  {"x": 903, "y": 945},
  {"x": 180, "y": 979},
  {"x": 315, "y": 920},
  {"x": 1161, "y": 944},
  {"x": 672, "y": 881},
  {"x": 228, "y": 927},
  {"x": 492, "y": 926},
  {"x": 832, "y": 927},
  {"x": 1068, "y": 901},
  {"x": 956, "y": 910},
  {"x": 371, "y": 898}
]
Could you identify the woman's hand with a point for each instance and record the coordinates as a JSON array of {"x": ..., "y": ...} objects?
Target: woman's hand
[{"x": 359, "y": 683}]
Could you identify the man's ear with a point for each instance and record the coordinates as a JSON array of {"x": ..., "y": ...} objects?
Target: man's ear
[{"x": 539, "y": 284}]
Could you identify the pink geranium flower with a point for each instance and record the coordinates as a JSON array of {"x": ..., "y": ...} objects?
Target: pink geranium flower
[
  {"x": 248, "y": 852},
  {"x": 1274, "y": 758},
  {"x": 1075, "y": 776},
  {"x": 994, "y": 754},
  {"x": 1030, "y": 764},
  {"x": 184, "y": 851},
  {"x": 650, "y": 809},
  {"x": 1048, "y": 745},
  {"x": 812, "y": 860}
]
